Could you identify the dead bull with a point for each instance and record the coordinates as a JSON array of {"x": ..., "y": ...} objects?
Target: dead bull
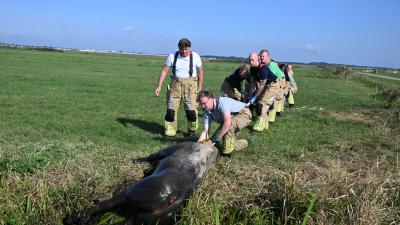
[{"x": 156, "y": 198}]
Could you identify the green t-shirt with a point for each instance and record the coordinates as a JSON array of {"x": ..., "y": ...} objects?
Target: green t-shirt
[{"x": 275, "y": 69}]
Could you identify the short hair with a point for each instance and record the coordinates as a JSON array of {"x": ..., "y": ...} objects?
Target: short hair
[
  {"x": 244, "y": 68},
  {"x": 264, "y": 50},
  {"x": 282, "y": 66},
  {"x": 184, "y": 43},
  {"x": 205, "y": 93}
]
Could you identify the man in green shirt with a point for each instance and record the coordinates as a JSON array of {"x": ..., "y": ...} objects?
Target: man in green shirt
[{"x": 280, "y": 78}]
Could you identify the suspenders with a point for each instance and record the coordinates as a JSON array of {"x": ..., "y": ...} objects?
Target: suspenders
[{"x": 190, "y": 65}]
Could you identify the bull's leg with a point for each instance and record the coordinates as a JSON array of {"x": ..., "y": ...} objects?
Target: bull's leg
[
  {"x": 163, "y": 153},
  {"x": 90, "y": 215}
]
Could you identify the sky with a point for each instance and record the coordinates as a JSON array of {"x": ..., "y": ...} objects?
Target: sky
[{"x": 356, "y": 32}]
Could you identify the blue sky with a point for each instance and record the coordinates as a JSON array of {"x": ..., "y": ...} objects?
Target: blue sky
[{"x": 336, "y": 31}]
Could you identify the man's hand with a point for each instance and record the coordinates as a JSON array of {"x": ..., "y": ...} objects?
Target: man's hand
[
  {"x": 158, "y": 89},
  {"x": 215, "y": 139},
  {"x": 207, "y": 142},
  {"x": 251, "y": 100}
]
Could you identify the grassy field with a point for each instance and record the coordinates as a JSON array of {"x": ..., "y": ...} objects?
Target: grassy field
[{"x": 71, "y": 123}]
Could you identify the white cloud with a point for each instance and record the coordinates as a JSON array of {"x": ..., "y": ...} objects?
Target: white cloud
[
  {"x": 312, "y": 48},
  {"x": 128, "y": 29}
]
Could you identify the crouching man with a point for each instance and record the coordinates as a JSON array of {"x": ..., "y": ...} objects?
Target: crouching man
[
  {"x": 232, "y": 85},
  {"x": 232, "y": 116}
]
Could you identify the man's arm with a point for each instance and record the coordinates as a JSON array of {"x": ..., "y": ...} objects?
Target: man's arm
[
  {"x": 252, "y": 87},
  {"x": 200, "y": 78},
  {"x": 163, "y": 74},
  {"x": 260, "y": 88},
  {"x": 291, "y": 79},
  {"x": 204, "y": 133},
  {"x": 226, "y": 125}
]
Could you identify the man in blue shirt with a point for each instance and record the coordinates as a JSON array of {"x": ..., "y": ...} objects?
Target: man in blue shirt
[
  {"x": 263, "y": 91},
  {"x": 232, "y": 115}
]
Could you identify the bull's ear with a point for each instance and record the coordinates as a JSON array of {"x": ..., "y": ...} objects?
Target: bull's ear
[{"x": 172, "y": 198}]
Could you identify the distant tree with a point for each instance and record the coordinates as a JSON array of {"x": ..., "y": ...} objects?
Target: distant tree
[{"x": 342, "y": 71}]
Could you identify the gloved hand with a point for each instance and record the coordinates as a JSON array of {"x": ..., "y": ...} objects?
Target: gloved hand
[
  {"x": 215, "y": 139},
  {"x": 251, "y": 100}
]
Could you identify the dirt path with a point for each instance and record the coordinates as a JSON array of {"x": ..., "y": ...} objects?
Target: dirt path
[{"x": 376, "y": 75}]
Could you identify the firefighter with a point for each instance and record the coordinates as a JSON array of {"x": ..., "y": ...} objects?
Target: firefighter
[
  {"x": 186, "y": 82},
  {"x": 264, "y": 89},
  {"x": 232, "y": 116},
  {"x": 280, "y": 80},
  {"x": 292, "y": 86},
  {"x": 232, "y": 85},
  {"x": 284, "y": 69}
]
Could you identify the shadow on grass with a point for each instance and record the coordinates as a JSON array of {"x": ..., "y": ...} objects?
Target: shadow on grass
[
  {"x": 180, "y": 137},
  {"x": 156, "y": 128},
  {"x": 152, "y": 127}
]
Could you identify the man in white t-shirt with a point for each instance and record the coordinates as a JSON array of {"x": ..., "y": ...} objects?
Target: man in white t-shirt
[{"x": 186, "y": 82}]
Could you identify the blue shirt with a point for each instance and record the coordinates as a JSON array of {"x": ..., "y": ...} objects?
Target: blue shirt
[
  {"x": 264, "y": 73},
  {"x": 222, "y": 105}
]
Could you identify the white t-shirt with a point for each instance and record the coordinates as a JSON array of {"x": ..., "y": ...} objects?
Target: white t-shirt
[{"x": 182, "y": 64}]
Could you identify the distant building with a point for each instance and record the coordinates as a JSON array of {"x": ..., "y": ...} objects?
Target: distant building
[
  {"x": 369, "y": 71},
  {"x": 391, "y": 71}
]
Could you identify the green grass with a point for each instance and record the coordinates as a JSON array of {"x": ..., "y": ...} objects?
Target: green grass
[{"x": 70, "y": 123}]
